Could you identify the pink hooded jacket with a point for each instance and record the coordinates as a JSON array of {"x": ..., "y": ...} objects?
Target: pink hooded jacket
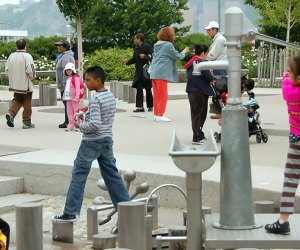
[
  {"x": 291, "y": 94},
  {"x": 75, "y": 88}
]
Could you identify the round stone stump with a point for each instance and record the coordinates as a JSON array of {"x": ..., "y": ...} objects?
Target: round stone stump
[
  {"x": 103, "y": 241},
  {"x": 29, "y": 226},
  {"x": 62, "y": 231}
]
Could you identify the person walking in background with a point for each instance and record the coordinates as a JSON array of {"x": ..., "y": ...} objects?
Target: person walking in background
[
  {"x": 163, "y": 69},
  {"x": 96, "y": 144},
  {"x": 71, "y": 94},
  {"x": 142, "y": 55},
  {"x": 66, "y": 56},
  {"x": 198, "y": 89},
  {"x": 20, "y": 70},
  {"x": 291, "y": 94}
]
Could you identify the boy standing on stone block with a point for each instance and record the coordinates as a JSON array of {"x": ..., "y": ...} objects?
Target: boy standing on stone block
[{"x": 96, "y": 144}]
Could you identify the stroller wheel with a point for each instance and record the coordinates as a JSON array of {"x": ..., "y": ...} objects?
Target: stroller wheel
[
  {"x": 258, "y": 138},
  {"x": 265, "y": 138},
  {"x": 217, "y": 137}
]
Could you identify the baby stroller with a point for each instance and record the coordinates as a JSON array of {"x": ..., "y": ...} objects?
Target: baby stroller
[{"x": 219, "y": 101}]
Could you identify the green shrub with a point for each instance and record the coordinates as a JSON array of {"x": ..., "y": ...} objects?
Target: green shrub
[
  {"x": 190, "y": 41},
  {"x": 38, "y": 47},
  {"x": 249, "y": 60},
  {"x": 43, "y": 46},
  {"x": 112, "y": 61}
]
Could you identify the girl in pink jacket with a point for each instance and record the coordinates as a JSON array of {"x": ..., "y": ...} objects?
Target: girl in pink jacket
[
  {"x": 72, "y": 94},
  {"x": 291, "y": 94}
]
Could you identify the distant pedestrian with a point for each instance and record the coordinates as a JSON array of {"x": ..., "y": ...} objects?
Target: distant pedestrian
[
  {"x": 217, "y": 51},
  {"x": 66, "y": 56},
  {"x": 72, "y": 94},
  {"x": 96, "y": 144},
  {"x": 291, "y": 94},
  {"x": 142, "y": 55},
  {"x": 199, "y": 90},
  {"x": 163, "y": 69},
  {"x": 20, "y": 70}
]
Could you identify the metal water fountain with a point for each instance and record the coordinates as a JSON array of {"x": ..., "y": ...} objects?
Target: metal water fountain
[{"x": 194, "y": 160}]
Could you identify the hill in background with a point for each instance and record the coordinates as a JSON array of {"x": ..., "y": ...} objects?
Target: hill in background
[{"x": 39, "y": 18}]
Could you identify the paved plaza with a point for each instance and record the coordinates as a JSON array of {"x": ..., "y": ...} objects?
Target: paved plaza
[{"x": 140, "y": 144}]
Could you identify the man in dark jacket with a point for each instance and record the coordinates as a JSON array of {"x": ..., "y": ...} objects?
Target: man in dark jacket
[
  {"x": 65, "y": 56},
  {"x": 142, "y": 55}
]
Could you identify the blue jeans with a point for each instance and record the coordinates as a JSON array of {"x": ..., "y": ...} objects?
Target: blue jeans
[
  {"x": 88, "y": 152},
  {"x": 220, "y": 72}
]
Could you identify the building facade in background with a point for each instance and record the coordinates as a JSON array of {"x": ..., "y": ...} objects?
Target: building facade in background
[{"x": 201, "y": 12}]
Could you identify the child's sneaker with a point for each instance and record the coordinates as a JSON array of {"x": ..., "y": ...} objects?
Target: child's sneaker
[
  {"x": 10, "y": 120},
  {"x": 68, "y": 130},
  {"x": 31, "y": 125},
  {"x": 277, "y": 228},
  {"x": 64, "y": 217}
]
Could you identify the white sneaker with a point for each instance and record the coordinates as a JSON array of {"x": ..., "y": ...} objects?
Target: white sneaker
[
  {"x": 163, "y": 119},
  {"x": 156, "y": 118}
]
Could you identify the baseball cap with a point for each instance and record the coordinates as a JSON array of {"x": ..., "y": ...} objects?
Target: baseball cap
[
  {"x": 70, "y": 66},
  {"x": 64, "y": 43},
  {"x": 212, "y": 24}
]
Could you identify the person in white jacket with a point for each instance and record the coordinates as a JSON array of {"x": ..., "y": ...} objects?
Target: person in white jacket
[
  {"x": 217, "y": 50},
  {"x": 20, "y": 70}
]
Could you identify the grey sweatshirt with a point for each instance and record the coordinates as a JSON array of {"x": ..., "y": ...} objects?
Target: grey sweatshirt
[
  {"x": 100, "y": 117},
  {"x": 66, "y": 57},
  {"x": 217, "y": 50}
]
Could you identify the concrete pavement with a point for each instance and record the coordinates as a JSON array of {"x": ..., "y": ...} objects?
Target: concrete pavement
[{"x": 141, "y": 144}]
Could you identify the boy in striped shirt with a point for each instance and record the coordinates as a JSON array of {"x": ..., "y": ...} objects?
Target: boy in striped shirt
[{"x": 97, "y": 145}]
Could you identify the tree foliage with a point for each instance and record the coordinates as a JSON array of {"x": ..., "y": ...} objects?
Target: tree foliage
[
  {"x": 113, "y": 23},
  {"x": 278, "y": 13}
]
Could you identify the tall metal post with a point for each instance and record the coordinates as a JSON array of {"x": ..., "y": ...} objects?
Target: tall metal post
[
  {"x": 236, "y": 204},
  {"x": 194, "y": 208}
]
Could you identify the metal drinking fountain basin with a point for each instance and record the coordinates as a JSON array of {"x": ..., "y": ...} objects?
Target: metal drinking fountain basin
[{"x": 194, "y": 158}]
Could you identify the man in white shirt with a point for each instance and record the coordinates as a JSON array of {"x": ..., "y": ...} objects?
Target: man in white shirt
[
  {"x": 217, "y": 50},
  {"x": 20, "y": 70}
]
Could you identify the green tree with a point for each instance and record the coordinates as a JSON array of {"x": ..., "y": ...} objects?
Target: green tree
[
  {"x": 113, "y": 23},
  {"x": 283, "y": 13},
  {"x": 76, "y": 11}
]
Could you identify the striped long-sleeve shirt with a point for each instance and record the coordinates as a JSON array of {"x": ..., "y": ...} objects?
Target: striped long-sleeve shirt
[
  {"x": 291, "y": 95},
  {"x": 100, "y": 117}
]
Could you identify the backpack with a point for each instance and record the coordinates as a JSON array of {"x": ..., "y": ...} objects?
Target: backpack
[
  {"x": 81, "y": 86},
  {"x": 4, "y": 235},
  {"x": 221, "y": 83},
  {"x": 3, "y": 240}
]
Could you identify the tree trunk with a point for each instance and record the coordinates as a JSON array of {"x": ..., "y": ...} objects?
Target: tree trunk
[
  {"x": 79, "y": 44},
  {"x": 288, "y": 31},
  {"x": 289, "y": 22}
]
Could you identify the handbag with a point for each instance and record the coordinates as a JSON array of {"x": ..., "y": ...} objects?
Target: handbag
[{"x": 146, "y": 70}]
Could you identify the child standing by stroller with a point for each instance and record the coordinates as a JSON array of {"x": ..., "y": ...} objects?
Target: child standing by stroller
[
  {"x": 291, "y": 94},
  {"x": 72, "y": 94},
  {"x": 198, "y": 89}
]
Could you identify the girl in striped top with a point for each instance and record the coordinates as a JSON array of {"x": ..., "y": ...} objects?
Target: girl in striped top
[{"x": 291, "y": 94}]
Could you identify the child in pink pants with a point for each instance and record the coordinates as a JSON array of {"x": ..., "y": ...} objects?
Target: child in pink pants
[{"x": 71, "y": 94}]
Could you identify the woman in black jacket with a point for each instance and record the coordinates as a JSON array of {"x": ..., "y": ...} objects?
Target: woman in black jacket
[
  {"x": 142, "y": 55},
  {"x": 198, "y": 89}
]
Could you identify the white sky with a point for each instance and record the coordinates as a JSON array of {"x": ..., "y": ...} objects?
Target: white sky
[{"x": 9, "y": 1}]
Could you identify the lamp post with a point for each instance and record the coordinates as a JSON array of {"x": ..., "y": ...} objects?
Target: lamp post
[
  {"x": 68, "y": 33},
  {"x": 219, "y": 13}
]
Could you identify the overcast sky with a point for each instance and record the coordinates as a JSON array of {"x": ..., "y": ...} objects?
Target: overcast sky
[{"x": 9, "y": 1}]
